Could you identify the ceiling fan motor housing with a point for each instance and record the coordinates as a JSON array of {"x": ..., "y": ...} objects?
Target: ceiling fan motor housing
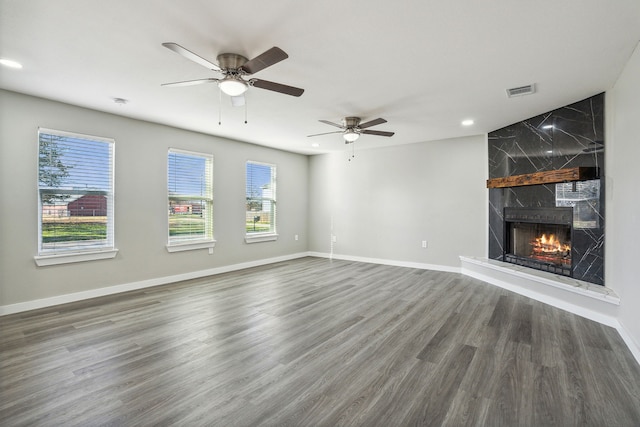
[
  {"x": 351, "y": 122},
  {"x": 231, "y": 61}
]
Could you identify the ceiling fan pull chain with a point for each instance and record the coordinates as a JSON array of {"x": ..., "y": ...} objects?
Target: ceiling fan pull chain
[
  {"x": 219, "y": 107},
  {"x": 245, "y": 110}
]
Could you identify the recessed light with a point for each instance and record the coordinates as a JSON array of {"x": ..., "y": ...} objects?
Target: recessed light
[
  {"x": 467, "y": 122},
  {"x": 315, "y": 145},
  {"x": 547, "y": 127},
  {"x": 10, "y": 63},
  {"x": 549, "y": 151}
]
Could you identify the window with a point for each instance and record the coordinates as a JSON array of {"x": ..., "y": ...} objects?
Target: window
[
  {"x": 75, "y": 197},
  {"x": 190, "y": 189},
  {"x": 260, "y": 219}
]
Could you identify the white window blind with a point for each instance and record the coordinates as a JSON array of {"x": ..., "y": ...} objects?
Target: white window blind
[
  {"x": 75, "y": 192},
  {"x": 261, "y": 198},
  {"x": 190, "y": 188}
]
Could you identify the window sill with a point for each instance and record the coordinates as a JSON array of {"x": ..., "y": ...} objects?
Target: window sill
[
  {"x": 191, "y": 246},
  {"x": 55, "y": 259},
  {"x": 257, "y": 238}
]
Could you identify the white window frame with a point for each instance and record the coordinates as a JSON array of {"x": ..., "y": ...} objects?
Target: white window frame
[
  {"x": 271, "y": 235},
  {"x": 83, "y": 252},
  {"x": 187, "y": 244}
]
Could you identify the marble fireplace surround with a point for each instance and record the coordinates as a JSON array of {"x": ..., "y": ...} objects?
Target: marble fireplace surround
[
  {"x": 568, "y": 137},
  {"x": 566, "y": 140}
]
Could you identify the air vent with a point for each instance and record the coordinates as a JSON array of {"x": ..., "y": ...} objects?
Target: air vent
[{"x": 521, "y": 91}]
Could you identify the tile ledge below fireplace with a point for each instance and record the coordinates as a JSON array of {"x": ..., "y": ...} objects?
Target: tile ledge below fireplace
[{"x": 569, "y": 284}]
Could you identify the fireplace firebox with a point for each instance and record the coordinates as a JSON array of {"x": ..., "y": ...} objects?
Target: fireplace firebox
[{"x": 539, "y": 238}]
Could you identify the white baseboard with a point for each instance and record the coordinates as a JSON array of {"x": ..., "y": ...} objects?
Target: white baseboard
[
  {"x": 634, "y": 347},
  {"x": 600, "y": 317},
  {"x": 596, "y": 316},
  {"x": 594, "y": 302},
  {"x": 587, "y": 300},
  {"x": 381, "y": 261},
  {"x": 110, "y": 290}
]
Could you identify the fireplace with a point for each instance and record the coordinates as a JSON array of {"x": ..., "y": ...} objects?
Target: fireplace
[{"x": 539, "y": 238}]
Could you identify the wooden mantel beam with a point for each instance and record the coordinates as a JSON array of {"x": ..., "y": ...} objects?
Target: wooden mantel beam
[{"x": 581, "y": 173}]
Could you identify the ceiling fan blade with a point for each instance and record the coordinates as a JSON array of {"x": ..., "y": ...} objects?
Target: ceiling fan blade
[
  {"x": 191, "y": 82},
  {"x": 332, "y": 124},
  {"x": 264, "y": 60},
  {"x": 191, "y": 56},
  {"x": 378, "y": 132},
  {"x": 277, "y": 87},
  {"x": 325, "y": 133},
  {"x": 237, "y": 101},
  {"x": 372, "y": 123}
]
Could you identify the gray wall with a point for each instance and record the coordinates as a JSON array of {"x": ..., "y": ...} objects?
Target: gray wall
[
  {"x": 141, "y": 201},
  {"x": 383, "y": 203},
  {"x": 623, "y": 195}
]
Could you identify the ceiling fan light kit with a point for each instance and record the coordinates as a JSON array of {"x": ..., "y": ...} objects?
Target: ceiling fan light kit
[
  {"x": 233, "y": 86},
  {"x": 350, "y": 136}
]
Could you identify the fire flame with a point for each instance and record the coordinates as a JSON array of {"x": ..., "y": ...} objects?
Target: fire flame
[{"x": 550, "y": 244}]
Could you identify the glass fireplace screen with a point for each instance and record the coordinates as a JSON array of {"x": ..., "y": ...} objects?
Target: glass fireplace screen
[
  {"x": 544, "y": 242},
  {"x": 540, "y": 238}
]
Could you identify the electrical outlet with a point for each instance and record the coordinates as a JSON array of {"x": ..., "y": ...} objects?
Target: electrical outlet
[
  {"x": 210, "y": 251},
  {"x": 334, "y": 238},
  {"x": 424, "y": 244},
  {"x": 295, "y": 237}
]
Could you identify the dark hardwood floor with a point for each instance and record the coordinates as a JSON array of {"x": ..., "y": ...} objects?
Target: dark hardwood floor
[{"x": 314, "y": 342}]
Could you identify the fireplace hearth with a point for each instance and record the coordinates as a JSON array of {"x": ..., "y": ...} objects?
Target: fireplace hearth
[{"x": 539, "y": 238}]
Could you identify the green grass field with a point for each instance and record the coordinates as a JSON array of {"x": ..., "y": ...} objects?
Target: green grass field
[
  {"x": 95, "y": 228},
  {"x": 73, "y": 231},
  {"x": 259, "y": 228},
  {"x": 188, "y": 224}
]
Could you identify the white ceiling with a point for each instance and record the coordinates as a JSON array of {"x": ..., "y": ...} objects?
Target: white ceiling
[{"x": 422, "y": 65}]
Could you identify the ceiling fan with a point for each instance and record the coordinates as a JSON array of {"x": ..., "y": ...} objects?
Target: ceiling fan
[
  {"x": 234, "y": 68},
  {"x": 352, "y": 128}
]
